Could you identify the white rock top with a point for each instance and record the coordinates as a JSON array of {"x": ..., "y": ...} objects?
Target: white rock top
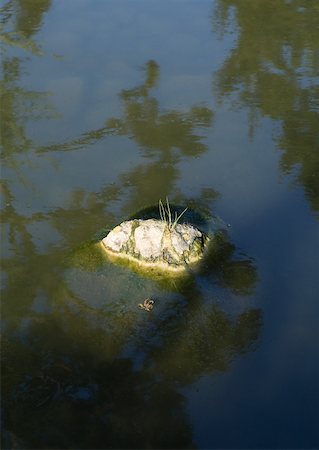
[{"x": 151, "y": 242}]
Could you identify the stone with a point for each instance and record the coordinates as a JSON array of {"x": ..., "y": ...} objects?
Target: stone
[
  {"x": 119, "y": 236},
  {"x": 148, "y": 238},
  {"x": 152, "y": 242}
]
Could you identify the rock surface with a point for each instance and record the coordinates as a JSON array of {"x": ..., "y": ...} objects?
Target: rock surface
[{"x": 151, "y": 243}]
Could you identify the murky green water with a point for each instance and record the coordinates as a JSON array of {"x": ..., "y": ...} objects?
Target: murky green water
[{"x": 106, "y": 107}]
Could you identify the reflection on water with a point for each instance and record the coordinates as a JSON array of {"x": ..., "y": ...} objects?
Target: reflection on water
[
  {"x": 70, "y": 394},
  {"x": 163, "y": 138},
  {"x": 20, "y": 19},
  {"x": 102, "y": 372},
  {"x": 82, "y": 365},
  {"x": 273, "y": 71}
]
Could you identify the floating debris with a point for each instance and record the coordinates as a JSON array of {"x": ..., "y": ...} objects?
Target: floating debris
[{"x": 147, "y": 305}]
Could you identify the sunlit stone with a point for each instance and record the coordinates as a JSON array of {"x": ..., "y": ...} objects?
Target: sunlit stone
[
  {"x": 119, "y": 236},
  {"x": 153, "y": 243},
  {"x": 148, "y": 238}
]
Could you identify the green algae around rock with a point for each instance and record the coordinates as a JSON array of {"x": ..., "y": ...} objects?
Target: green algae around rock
[{"x": 91, "y": 255}]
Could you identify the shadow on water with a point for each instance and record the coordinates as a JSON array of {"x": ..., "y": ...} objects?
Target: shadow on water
[
  {"x": 82, "y": 366},
  {"x": 273, "y": 71}
]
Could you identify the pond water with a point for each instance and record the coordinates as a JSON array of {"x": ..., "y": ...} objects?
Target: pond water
[{"x": 107, "y": 107}]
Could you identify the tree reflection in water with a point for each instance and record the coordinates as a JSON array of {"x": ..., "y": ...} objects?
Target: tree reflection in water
[
  {"x": 68, "y": 390},
  {"x": 72, "y": 372},
  {"x": 273, "y": 70},
  {"x": 95, "y": 376},
  {"x": 164, "y": 138}
]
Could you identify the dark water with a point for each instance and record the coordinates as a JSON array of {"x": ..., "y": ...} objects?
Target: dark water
[{"x": 106, "y": 107}]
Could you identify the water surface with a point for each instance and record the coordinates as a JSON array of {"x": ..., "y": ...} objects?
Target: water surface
[{"x": 106, "y": 107}]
